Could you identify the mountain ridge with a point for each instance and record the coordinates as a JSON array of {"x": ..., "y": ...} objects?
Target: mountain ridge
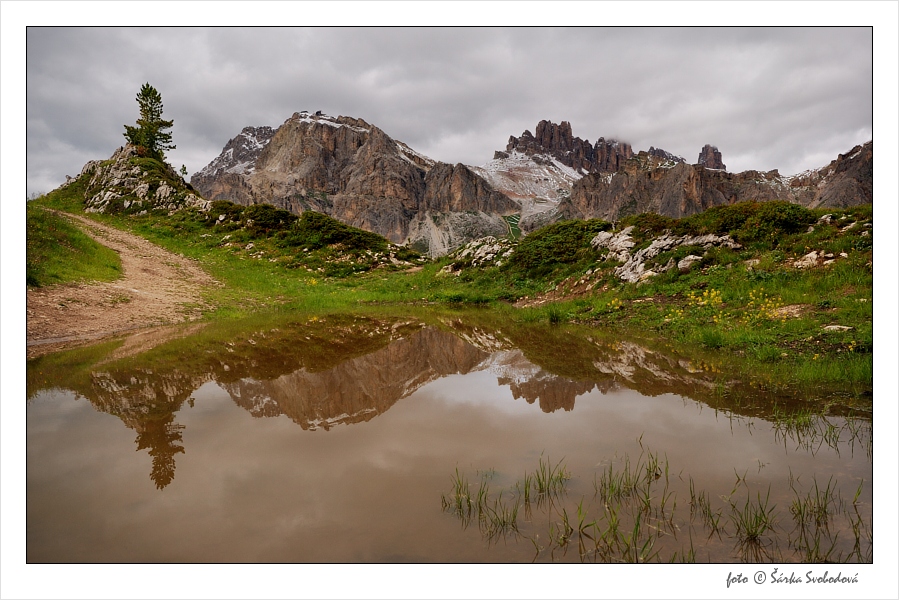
[{"x": 356, "y": 173}]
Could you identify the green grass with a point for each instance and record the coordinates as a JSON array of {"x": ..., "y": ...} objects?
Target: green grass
[{"x": 58, "y": 252}]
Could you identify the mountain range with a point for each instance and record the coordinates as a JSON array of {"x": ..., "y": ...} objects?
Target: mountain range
[{"x": 356, "y": 173}]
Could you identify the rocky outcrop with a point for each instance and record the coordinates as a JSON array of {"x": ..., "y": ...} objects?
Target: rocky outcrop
[
  {"x": 127, "y": 183},
  {"x": 634, "y": 268},
  {"x": 665, "y": 155},
  {"x": 356, "y": 173},
  {"x": 649, "y": 183},
  {"x": 485, "y": 252},
  {"x": 557, "y": 141},
  {"x": 710, "y": 158}
]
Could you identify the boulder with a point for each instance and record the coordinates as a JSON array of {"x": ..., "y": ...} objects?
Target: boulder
[{"x": 807, "y": 261}]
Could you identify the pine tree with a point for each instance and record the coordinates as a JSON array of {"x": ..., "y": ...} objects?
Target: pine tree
[{"x": 149, "y": 136}]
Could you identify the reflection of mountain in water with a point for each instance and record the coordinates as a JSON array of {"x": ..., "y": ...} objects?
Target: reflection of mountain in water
[
  {"x": 532, "y": 383},
  {"x": 349, "y": 370},
  {"x": 360, "y": 388}
]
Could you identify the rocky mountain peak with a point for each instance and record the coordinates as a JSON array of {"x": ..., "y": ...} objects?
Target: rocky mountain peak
[
  {"x": 240, "y": 153},
  {"x": 356, "y": 173},
  {"x": 318, "y": 117},
  {"x": 665, "y": 155},
  {"x": 558, "y": 142},
  {"x": 610, "y": 155},
  {"x": 710, "y": 158}
]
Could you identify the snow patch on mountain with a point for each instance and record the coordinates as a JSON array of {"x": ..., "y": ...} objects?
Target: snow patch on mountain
[
  {"x": 318, "y": 116},
  {"x": 539, "y": 182},
  {"x": 240, "y": 153},
  {"x": 416, "y": 158}
]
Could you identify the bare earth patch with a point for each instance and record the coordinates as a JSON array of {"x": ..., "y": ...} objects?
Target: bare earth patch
[{"x": 157, "y": 288}]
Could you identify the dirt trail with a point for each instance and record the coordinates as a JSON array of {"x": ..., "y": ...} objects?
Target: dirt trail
[{"x": 157, "y": 288}]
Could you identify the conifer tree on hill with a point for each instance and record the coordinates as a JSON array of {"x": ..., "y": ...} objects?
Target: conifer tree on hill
[{"x": 149, "y": 135}]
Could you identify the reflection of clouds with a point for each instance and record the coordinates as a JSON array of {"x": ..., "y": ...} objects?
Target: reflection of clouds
[{"x": 265, "y": 490}]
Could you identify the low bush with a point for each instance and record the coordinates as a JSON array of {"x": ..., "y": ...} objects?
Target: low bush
[
  {"x": 262, "y": 219},
  {"x": 773, "y": 219},
  {"x": 231, "y": 211},
  {"x": 566, "y": 242},
  {"x": 315, "y": 230},
  {"x": 648, "y": 224},
  {"x": 748, "y": 221}
]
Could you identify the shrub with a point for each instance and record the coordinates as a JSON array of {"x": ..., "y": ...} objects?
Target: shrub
[
  {"x": 775, "y": 218},
  {"x": 404, "y": 253},
  {"x": 265, "y": 218},
  {"x": 315, "y": 230},
  {"x": 719, "y": 220},
  {"x": 231, "y": 211},
  {"x": 651, "y": 224},
  {"x": 564, "y": 242}
]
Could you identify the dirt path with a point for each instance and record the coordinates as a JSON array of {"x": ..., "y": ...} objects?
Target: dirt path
[{"x": 157, "y": 288}]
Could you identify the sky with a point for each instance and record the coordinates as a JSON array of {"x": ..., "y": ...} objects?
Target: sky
[{"x": 769, "y": 98}]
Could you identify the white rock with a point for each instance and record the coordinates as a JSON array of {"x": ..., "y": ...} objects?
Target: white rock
[
  {"x": 809, "y": 260},
  {"x": 688, "y": 261}
]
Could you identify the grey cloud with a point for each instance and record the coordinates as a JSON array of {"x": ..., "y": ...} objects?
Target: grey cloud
[{"x": 768, "y": 98}]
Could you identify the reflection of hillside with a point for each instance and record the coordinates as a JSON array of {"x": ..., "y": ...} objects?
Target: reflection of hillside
[{"x": 360, "y": 388}]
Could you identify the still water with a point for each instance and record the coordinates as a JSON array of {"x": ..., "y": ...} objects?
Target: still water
[{"x": 382, "y": 439}]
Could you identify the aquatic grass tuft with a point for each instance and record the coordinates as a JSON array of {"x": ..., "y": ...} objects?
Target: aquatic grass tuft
[
  {"x": 549, "y": 480},
  {"x": 754, "y": 519}
]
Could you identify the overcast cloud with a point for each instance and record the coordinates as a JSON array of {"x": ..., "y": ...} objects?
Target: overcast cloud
[{"x": 783, "y": 98}]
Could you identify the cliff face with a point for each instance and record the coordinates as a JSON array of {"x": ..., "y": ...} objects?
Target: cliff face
[
  {"x": 846, "y": 181},
  {"x": 649, "y": 183},
  {"x": 352, "y": 171}
]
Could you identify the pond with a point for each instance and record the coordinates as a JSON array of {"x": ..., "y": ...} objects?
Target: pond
[{"x": 455, "y": 437}]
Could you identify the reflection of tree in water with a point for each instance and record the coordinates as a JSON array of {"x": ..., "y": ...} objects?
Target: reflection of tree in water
[{"x": 162, "y": 437}]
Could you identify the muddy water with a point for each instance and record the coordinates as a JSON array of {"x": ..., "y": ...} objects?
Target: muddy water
[{"x": 339, "y": 439}]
